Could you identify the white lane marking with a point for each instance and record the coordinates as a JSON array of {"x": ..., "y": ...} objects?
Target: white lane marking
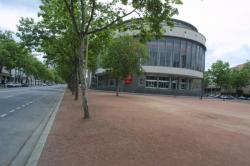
[
  {"x": 3, "y": 91},
  {"x": 3, "y": 115},
  {"x": 9, "y": 96},
  {"x": 31, "y": 102},
  {"x": 12, "y": 110},
  {"x": 18, "y": 108},
  {"x": 23, "y": 105}
]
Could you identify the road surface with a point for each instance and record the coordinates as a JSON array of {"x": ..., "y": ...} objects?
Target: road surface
[{"x": 22, "y": 113}]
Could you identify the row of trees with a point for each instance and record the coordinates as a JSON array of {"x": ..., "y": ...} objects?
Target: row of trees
[
  {"x": 73, "y": 40},
  {"x": 228, "y": 78},
  {"x": 14, "y": 55}
]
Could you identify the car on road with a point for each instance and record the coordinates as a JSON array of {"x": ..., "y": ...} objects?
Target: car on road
[
  {"x": 13, "y": 84},
  {"x": 25, "y": 85},
  {"x": 43, "y": 84}
]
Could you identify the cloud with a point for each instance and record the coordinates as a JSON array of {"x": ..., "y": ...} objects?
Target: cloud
[
  {"x": 225, "y": 25},
  {"x": 12, "y": 10},
  {"x": 28, "y": 4}
]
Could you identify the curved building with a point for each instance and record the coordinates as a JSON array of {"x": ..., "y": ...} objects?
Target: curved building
[{"x": 176, "y": 65}]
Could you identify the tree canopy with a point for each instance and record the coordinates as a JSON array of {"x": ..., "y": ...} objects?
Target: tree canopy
[
  {"x": 15, "y": 55},
  {"x": 124, "y": 57},
  {"x": 79, "y": 36},
  {"x": 220, "y": 73}
]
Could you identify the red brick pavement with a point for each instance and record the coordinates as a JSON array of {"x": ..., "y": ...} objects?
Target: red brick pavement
[{"x": 136, "y": 130}]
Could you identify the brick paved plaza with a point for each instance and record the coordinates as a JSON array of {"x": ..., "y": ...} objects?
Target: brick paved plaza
[{"x": 140, "y": 130}]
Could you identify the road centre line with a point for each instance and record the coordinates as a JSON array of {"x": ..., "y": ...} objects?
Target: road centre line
[
  {"x": 12, "y": 110},
  {"x": 9, "y": 96}
]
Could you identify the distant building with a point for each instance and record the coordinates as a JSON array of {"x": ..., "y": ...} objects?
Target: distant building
[
  {"x": 176, "y": 66},
  {"x": 17, "y": 76}
]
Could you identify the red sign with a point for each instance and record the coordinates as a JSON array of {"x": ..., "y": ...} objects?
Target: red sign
[{"x": 128, "y": 80}]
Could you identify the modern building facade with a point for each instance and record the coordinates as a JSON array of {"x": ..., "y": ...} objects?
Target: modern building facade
[{"x": 176, "y": 65}]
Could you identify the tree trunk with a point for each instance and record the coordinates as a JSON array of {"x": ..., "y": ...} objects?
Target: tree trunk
[
  {"x": 117, "y": 86},
  {"x": 82, "y": 75},
  {"x": 72, "y": 86},
  {"x": 76, "y": 79},
  {"x": 76, "y": 85}
]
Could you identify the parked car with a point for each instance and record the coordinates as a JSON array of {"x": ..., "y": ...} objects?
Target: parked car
[
  {"x": 25, "y": 85},
  {"x": 43, "y": 84},
  {"x": 228, "y": 97},
  {"x": 211, "y": 96},
  {"x": 10, "y": 84},
  {"x": 13, "y": 84},
  {"x": 217, "y": 96}
]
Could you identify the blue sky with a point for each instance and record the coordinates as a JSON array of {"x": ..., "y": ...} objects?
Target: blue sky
[{"x": 224, "y": 23}]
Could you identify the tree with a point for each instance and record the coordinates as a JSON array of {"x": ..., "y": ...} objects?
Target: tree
[
  {"x": 88, "y": 18},
  {"x": 239, "y": 79},
  {"x": 207, "y": 79},
  {"x": 220, "y": 73},
  {"x": 124, "y": 57},
  {"x": 10, "y": 51},
  {"x": 246, "y": 68}
]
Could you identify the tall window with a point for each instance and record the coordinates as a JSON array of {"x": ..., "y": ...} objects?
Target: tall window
[
  {"x": 193, "y": 59},
  {"x": 151, "y": 82},
  {"x": 197, "y": 58},
  {"x": 152, "y": 45},
  {"x": 203, "y": 59},
  {"x": 164, "y": 82},
  {"x": 189, "y": 54},
  {"x": 162, "y": 51},
  {"x": 175, "y": 83},
  {"x": 169, "y": 46},
  {"x": 183, "y": 53},
  {"x": 176, "y": 58},
  {"x": 153, "y": 53},
  {"x": 183, "y": 84}
]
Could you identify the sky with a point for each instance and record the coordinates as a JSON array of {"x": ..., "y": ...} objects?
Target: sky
[{"x": 224, "y": 23}]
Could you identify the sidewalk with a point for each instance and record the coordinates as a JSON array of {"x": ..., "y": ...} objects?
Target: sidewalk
[{"x": 134, "y": 130}]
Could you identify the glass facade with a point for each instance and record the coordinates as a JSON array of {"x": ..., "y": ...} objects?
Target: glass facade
[
  {"x": 176, "y": 52},
  {"x": 168, "y": 82}
]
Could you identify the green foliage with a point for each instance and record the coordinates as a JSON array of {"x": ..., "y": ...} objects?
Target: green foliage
[
  {"x": 220, "y": 73},
  {"x": 207, "y": 78},
  {"x": 246, "y": 68},
  {"x": 124, "y": 56},
  {"x": 239, "y": 78},
  {"x": 29, "y": 33},
  {"x": 15, "y": 55},
  {"x": 9, "y": 50}
]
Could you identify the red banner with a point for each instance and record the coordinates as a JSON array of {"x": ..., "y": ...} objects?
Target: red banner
[{"x": 128, "y": 80}]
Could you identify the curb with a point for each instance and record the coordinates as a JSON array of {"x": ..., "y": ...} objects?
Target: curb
[{"x": 36, "y": 153}]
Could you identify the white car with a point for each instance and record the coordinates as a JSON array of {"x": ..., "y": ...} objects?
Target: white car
[{"x": 13, "y": 84}]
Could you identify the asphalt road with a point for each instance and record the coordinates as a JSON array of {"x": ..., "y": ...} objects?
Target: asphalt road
[{"x": 22, "y": 110}]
